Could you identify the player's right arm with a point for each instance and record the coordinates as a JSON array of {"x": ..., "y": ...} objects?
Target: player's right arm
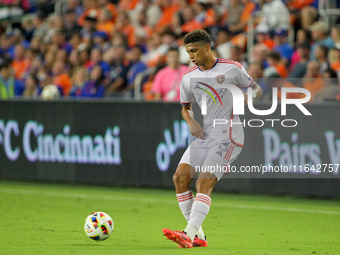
[
  {"x": 194, "y": 128},
  {"x": 187, "y": 97}
]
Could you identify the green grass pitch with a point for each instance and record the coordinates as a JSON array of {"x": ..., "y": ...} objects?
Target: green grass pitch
[{"x": 49, "y": 219}]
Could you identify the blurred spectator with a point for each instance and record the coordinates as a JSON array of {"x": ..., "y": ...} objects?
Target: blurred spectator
[
  {"x": 77, "y": 8},
  {"x": 107, "y": 5},
  {"x": 123, "y": 25},
  {"x": 127, "y": 5},
  {"x": 235, "y": 10},
  {"x": 275, "y": 14},
  {"x": 71, "y": 26},
  {"x": 58, "y": 40},
  {"x": 40, "y": 25},
  {"x": 312, "y": 80},
  {"x": 61, "y": 55},
  {"x": 27, "y": 27},
  {"x": 90, "y": 10},
  {"x": 309, "y": 14},
  {"x": 236, "y": 55},
  {"x": 218, "y": 22},
  {"x": 31, "y": 87},
  {"x": 74, "y": 62},
  {"x": 35, "y": 45},
  {"x": 142, "y": 30},
  {"x": 79, "y": 78},
  {"x": 36, "y": 62},
  {"x": 223, "y": 43},
  {"x": 151, "y": 9},
  {"x": 263, "y": 36},
  {"x": 166, "y": 85},
  {"x": 169, "y": 8},
  {"x": 334, "y": 57},
  {"x": 15, "y": 37},
  {"x": 190, "y": 23},
  {"x": 56, "y": 22},
  {"x": 105, "y": 22},
  {"x": 96, "y": 59},
  {"x": 49, "y": 61},
  {"x": 75, "y": 41},
  {"x": 259, "y": 53},
  {"x": 84, "y": 54},
  {"x": 302, "y": 35},
  {"x": 282, "y": 46},
  {"x": 274, "y": 60},
  {"x": 241, "y": 26},
  {"x": 89, "y": 28},
  {"x": 119, "y": 66},
  {"x": 200, "y": 10},
  {"x": 320, "y": 36},
  {"x": 95, "y": 86},
  {"x": 183, "y": 54},
  {"x": 23, "y": 3},
  {"x": 321, "y": 53},
  {"x": 9, "y": 86},
  {"x": 119, "y": 39},
  {"x": 169, "y": 39},
  {"x": 61, "y": 78},
  {"x": 5, "y": 46},
  {"x": 336, "y": 63},
  {"x": 335, "y": 32},
  {"x": 137, "y": 66},
  {"x": 20, "y": 64},
  {"x": 331, "y": 87},
  {"x": 100, "y": 41},
  {"x": 300, "y": 67},
  {"x": 155, "y": 50}
]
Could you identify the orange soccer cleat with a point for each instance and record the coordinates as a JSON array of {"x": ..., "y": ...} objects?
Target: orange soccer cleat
[
  {"x": 179, "y": 237},
  {"x": 199, "y": 242}
]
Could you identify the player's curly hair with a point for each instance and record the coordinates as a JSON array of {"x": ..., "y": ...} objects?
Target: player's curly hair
[{"x": 197, "y": 35}]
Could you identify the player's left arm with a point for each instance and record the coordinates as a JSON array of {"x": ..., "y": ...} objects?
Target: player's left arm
[
  {"x": 256, "y": 93},
  {"x": 244, "y": 80}
]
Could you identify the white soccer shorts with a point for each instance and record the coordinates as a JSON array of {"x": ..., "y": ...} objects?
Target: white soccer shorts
[{"x": 211, "y": 155}]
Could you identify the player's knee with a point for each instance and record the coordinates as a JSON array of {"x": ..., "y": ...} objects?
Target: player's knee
[{"x": 180, "y": 179}]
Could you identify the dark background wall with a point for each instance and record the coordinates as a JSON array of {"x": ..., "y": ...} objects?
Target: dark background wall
[{"x": 140, "y": 144}]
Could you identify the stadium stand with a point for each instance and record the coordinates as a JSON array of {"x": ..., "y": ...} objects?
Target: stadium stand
[{"x": 47, "y": 42}]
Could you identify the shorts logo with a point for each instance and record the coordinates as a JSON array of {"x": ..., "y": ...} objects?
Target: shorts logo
[{"x": 220, "y": 79}]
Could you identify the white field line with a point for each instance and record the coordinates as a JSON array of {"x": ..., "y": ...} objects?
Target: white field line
[{"x": 164, "y": 201}]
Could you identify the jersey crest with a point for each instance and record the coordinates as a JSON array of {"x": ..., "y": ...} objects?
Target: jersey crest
[{"x": 220, "y": 78}]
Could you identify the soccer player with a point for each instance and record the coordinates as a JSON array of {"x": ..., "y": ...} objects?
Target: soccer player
[{"x": 214, "y": 146}]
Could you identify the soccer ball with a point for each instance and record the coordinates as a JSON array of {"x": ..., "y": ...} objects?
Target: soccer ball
[
  {"x": 50, "y": 92},
  {"x": 98, "y": 226}
]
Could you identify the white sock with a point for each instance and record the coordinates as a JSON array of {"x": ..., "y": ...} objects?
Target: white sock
[
  {"x": 191, "y": 231},
  {"x": 185, "y": 201},
  {"x": 200, "y": 234},
  {"x": 199, "y": 211}
]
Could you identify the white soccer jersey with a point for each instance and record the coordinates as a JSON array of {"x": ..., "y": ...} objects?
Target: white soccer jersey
[{"x": 197, "y": 83}]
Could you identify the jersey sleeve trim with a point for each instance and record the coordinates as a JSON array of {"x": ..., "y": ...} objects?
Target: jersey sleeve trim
[
  {"x": 251, "y": 83},
  {"x": 190, "y": 70},
  {"x": 229, "y": 61},
  {"x": 186, "y": 103}
]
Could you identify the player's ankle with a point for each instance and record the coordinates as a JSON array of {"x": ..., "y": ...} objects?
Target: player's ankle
[{"x": 191, "y": 231}]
